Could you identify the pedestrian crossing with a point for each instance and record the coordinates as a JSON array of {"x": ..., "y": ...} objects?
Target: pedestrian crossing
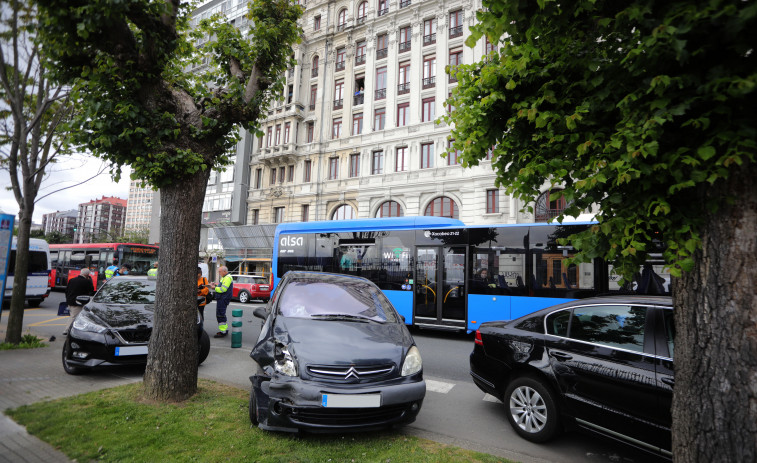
[{"x": 444, "y": 387}]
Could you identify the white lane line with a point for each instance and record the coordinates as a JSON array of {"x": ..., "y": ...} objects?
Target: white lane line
[
  {"x": 491, "y": 398},
  {"x": 438, "y": 386}
]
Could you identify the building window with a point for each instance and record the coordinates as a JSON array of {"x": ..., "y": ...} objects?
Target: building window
[
  {"x": 404, "y": 78},
  {"x": 354, "y": 165},
  {"x": 311, "y": 127},
  {"x": 255, "y": 219},
  {"x": 338, "y": 94},
  {"x": 341, "y": 53},
  {"x": 453, "y": 156},
  {"x": 492, "y": 201},
  {"x": 489, "y": 47},
  {"x": 287, "y": 127},
  {"x": 317, "y": 23},
  {"x": 549, "y": 205},
  {"x": 456, "y": 24},
  {"x": 390, "y": 209},
  {"x": 357, "y": 124},
  {"x": 269, "y": 137},
  {"x": 313, "y": 95},
  {"x": 401, "y": 159},
  {"x": 278, "y": 135},
  {"x": 403, "y": 114},
  {"x": 442, "y": 207},
  {"x": 307, "y": 169},
  {"x": 273, "y": 176},
  {"x": 341, "y": 22},
  {"x": 314, "y": 67},
  {"x": 282, "y": 173},
  {"x": 455, "y": 59},
  {"x": 333, "y": 168},
  {"x": 290, "y": 174},
  {"x": 429, "y": 71},
  {"x": 361, "y": 11},
  {"x": 429, "y": 31},
  {"x": 343, "y": 212},
  {"x": 382, "y": 47},
  {"x": 336, "y": 131},
  {"x": 377, "y": 162},
  {"x": 278, "y": 214},
  {"x": 427, "y": 155},
  {"x": 305, "y": 215},
  {"x": 428, "y": 109},
  {"x": 260, "y": 142},
  {"x": 360, "y": 53},
  {"x": 406, "y": 33},
  {"x": 258, "y": 178},
  {"x": 383, "y": 7},
  {"x": 379, "y": 119},
  {"x": 381, "y": 83}
]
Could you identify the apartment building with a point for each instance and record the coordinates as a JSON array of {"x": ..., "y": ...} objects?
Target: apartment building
[
  {"x": 62, "y": 222},
  {"x": 100, "y": 220},
  {"x": 139, "y": 206}
]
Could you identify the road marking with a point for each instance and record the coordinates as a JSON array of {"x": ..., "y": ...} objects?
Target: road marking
[
  {"x": 48, "y": 322},
  {"x": 491, "y": 398},
  {"x": 438, "y": 386}
]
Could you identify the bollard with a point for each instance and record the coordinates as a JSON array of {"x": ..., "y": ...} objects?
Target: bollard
[{"x": 236, "y": 328}]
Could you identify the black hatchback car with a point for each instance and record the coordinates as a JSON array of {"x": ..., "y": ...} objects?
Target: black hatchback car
[
  {"x": 333, "y": 355},
  {"x": 114, "y": 327},
  {"x": 602, "y": 364}
]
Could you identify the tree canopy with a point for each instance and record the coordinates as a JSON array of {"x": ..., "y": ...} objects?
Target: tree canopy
[{"x": 626, "y": 105}]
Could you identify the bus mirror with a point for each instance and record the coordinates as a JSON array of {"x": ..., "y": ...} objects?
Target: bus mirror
[
  {"x": 260, "y": 313},
  {"x": 82, "y": 299}
]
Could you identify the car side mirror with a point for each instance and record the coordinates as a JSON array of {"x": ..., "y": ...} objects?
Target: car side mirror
[
  {"x": 82, "y": 299},
  {"x": 260, "y": 312}
]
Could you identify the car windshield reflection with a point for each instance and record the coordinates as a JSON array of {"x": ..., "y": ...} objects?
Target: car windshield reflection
[
  {"x": 127, "y": 292},
  {"x": 351, "y": 301}
]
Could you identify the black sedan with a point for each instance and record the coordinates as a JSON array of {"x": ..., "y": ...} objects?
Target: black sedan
[
  {"x": 333, "y": 354},
  {"x": 602, "y": 364},
  {"x": 114, "y": 327}
]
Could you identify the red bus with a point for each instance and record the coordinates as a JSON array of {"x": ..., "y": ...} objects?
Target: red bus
[{"x": 67, "y": 260}]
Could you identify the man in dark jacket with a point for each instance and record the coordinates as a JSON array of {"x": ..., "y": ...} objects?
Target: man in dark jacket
[{"x": 80, "y": 285}]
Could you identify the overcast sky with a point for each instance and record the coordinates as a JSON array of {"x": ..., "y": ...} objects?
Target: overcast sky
[{"x": 68, "y": 171}]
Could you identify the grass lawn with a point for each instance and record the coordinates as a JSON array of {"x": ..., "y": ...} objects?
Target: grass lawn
[{"x": 118, "y": 424}]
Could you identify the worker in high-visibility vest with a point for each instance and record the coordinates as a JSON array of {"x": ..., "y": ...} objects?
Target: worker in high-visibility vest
[
  {"x": 110, "y": 271},
  {"x": 223, "y": 291},
  {"x": 153, "y": 272}
]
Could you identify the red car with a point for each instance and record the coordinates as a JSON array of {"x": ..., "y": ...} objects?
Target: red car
[{"x": 248, "y": 287}]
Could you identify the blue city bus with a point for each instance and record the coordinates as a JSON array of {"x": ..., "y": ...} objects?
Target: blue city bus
[{"x": 440, "y": 273}]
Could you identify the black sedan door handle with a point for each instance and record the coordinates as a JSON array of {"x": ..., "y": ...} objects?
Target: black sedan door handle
[
  {"x": 669, "y": 381},
  {"x": 561, "y": 355}
]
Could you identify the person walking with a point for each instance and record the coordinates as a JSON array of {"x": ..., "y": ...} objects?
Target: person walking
[
  {"x": 223, "y": 291},
  {"x": 81, "y": 285},
  {"x": 202, "y": 291},
  {"x": 110, "y": 271}
]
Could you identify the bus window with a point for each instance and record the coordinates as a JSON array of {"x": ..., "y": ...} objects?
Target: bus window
[
  {"x": 92, "y": 259},
  {"x": 53, "y": 258},
  {"x": 501, "y": 251},
  {"x": 77, "y": 259},
  {"x": 396, "y": 268}
]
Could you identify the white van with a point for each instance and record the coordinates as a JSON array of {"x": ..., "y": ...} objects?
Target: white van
[{"x": 38, "y": 278}]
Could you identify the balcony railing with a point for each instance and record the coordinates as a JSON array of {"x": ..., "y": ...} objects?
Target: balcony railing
[
  {"x": 340, "y": 27},
  {"x": 358, "y": 99},
  {"x": 382, "y": 53},
  {"x": 314, "y": 72},
  {"x": 452, "y": 79},
  {"x": 360, "y": 20},
  {"x": 429, "y": 39},
  {"x": 405, "y": 46},
  {"x": 340, "y": 65},
  {"x": 456, "y": 31},
  {"x": 383, "y": 12},
  {"x": 429, "y": 82},
  {"x": 290, "y": 73},
  {"x": 403, "y": 88},
  {"x": 312, "y": 106},
  {"x": 360, "y": 59},
  {"x": 405, "y": 3},
  {"x": 338, "y": 104},
  {"x": 380, "y": 94}
]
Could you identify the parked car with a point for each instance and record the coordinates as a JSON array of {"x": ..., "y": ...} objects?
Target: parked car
[
  {"x": 333, "y": 355},
  {"x": 248, "y": 287},
  {"x": 603, "y": 365},
  {"x": 114, "y": 327}
]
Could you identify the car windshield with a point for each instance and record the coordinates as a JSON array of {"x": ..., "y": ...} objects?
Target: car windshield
[
  {"x": 349, "y": 300},
  {"x": 127, "y": 292}
]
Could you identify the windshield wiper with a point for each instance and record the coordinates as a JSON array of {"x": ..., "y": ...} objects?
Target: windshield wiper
[{"x": 335, "y": 316}]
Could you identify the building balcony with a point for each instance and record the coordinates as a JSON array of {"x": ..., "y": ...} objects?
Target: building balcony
[
  {"x": 383, "y": 12},
  {"x": 382, "y": 53},
  {"x": 456, "y": 31},
  {"x": 340, "y": 66},
  {"x": 429, "y": 82},
  {"x": 405, "y": 46},
  {"x": 338, "y": 104},
  {"x": 360, "y": 21},
  {"x": 403, "y": 88},
  {"x": 405, "y": 3},
  {"x": 429, "y": 39},
  {"x": 380, "y": 94},
  {"x": 358, "y": 99},
  {"x": 341, "y": 27},
  {"x": 312, "y": 106},
  {"x": 359, "y": 60}
]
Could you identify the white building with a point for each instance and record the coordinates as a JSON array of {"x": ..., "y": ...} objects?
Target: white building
[{"x": 140, "y": 204}]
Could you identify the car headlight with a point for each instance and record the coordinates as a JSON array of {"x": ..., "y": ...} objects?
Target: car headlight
[
  {"x": 84, "y": 323},
  {"x": 283, "y": 361},
  {"x": 413, "y": 363}
]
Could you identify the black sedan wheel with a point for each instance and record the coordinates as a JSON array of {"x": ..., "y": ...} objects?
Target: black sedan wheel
[
  {"x": 253, "y": 407},
  {"x": 203, "y": 347},
  {"x": 69, "y": 368},
  {"x": 531, "y": 409},
  {"x": 244, "y": 297}
]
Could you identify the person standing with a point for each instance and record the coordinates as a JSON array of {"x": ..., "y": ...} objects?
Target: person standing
[
  {"x": 153, "y": 272},
  {"x": 202, "y": 291},
  {"x": 223, "y": 291},
  {"x": 110, "y": 271},
  {"x": 80, "y": 285}
]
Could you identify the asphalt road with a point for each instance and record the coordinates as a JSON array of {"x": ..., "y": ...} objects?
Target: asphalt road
[{"x": 455, "y": 411}]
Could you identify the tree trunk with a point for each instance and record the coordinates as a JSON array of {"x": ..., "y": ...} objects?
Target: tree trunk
[
  {"x": 171, "y": 373},
  {"x": 715, "y": 396},
  {"x": 20, "y": 273}
]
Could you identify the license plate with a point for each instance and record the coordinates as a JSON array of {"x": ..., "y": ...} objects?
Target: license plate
[
  {"x": 135, "y": 350},
  {"x": 351, "y": 400}
]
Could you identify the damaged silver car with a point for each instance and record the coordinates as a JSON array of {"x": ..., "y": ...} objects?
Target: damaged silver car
[{"x": 333, "y": 355}]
